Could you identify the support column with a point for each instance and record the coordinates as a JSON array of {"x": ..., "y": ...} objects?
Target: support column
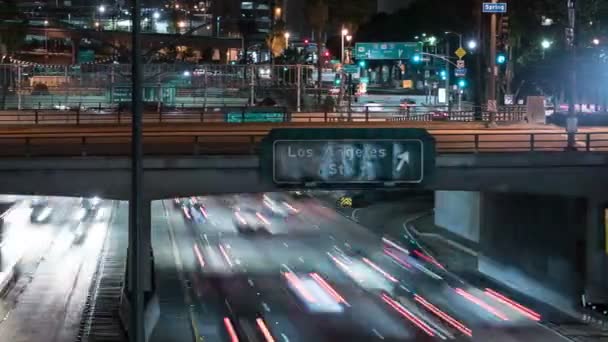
[
  {"x": 75, "y": 49},
  {"x": 596, "y": 248},
  {"x": 148, "y": 283}
]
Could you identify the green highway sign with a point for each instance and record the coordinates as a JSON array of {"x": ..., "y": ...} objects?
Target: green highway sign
[
  {"x": 240, "y": 117},
  {"x": 351, "y": 68},
  {"x": 375, "y": 51},
  {"x": 343, "y": 157}
]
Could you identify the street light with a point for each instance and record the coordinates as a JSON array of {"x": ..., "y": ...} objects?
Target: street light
[
  {"x": 156, "y": 15},
  {"x": 472, "y": 45},
  {"x": 342, "y": 36},
  {"x": 102, "y": 9},
  {"x": 186, "y": 73},
  {"x": 287, "y": 35},
  {"x": 181, "y": 24},
  {"x": 456, "y": 34},
  {"x": 595, "y": 41}
]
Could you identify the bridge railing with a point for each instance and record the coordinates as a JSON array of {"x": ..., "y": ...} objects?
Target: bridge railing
[
  {"x": 100, "y": 143},
  {"x": 159, "y": 113}
]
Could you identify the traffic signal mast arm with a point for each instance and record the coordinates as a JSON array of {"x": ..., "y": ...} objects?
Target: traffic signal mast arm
[{"x": 442, "y": 57}]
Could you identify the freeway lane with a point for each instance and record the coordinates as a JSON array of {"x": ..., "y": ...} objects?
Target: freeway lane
[
  {"x": 56, "y": 261},
  {"x": 322, "y": 277}
]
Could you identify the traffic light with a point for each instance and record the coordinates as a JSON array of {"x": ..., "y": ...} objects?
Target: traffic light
[
  {"x": 443, "y": 74},
  {"x": 362, "y": 64},
  {"x": 416, "y": 58},
  {"x": 306, "y": 41},
  {"x": 462, "y": 83},
  {"x": 501, "y": 58}
]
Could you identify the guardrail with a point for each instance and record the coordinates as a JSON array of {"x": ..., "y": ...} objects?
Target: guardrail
[
  {"x": 56, "y": 144},
  {"x": 159, "y": 114}
]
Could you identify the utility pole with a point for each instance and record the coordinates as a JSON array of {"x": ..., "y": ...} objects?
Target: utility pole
[
  {"x": 447, "y": 76},
  {"x": 136, "y": 260},
  {"x": 492, "y": 108},
  {"x": 572, "y": 120}
]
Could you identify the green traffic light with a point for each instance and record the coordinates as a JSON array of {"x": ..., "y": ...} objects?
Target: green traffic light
[
  {"x": 501, "y": 59},
  {"x": 416, "y": 58},
  {"x": 362, "y": 64},
  {"x": 462, "y": 83}
]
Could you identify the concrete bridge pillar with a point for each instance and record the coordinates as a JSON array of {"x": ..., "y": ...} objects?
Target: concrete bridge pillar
[
  {"x": 151, "y": 306},
  {"x": 552, "y": 248},
  {"x": 596, "y": 258}
]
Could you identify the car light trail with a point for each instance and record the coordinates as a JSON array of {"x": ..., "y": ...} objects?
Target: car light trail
[
  {"x": 230, "y": 329},
  {"x": 344, "y": 267},
  {"x": 267, "y": 336},
  {"x": 428, "y": 259},
  {"x": 199, "y": 256},
  {"x": 483, "y": 304},
  {"x": 396, "y": 258},
  {"x": 379, "y": 270},
  {"x": 337, "y": 297},
  {"x": 405, "y": 313},
  {"x": 240, "y": 218},
  {"x": 185, "y": 210},
  {"x": 453, "y": 322},
  {"x": 511, "y": 303},
  {"x": 297, "y": 284},
  {"x": 204, "y": 212},
  {"x": 395, "y": 245},
  {"x": 225, "y": 254},
  {"x": 290, "y": 207},
  {"x": 262, "y": 218}
]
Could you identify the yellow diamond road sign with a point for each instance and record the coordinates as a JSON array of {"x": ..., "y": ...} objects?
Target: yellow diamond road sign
[{"x": 460, "y": 52}]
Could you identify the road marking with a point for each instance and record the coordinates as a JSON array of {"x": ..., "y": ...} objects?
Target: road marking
[
  {"x": 285, "y": 244},
  {"x": 315, "y": 226},
  {"x": 266, "y": 307},
  {"x": 285, "y": 339},
  {"x": 353, "y": 215},
  {"x": 378, "y": 334},
  {"x": 301, "y": 259},
  {"x": 452, "y": 243}
]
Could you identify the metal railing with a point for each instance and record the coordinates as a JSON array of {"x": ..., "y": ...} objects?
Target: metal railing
[
  {"x": 159, "y": 113},
  {"x": 107, "y": 143}
]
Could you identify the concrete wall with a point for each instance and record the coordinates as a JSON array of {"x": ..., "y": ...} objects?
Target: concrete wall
[
  {"x": 535, "y": 244},
  {"x": 458, "y": 212}
]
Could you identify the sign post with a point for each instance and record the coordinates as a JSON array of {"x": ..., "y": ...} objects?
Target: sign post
[{"x": 345, "y": 158}]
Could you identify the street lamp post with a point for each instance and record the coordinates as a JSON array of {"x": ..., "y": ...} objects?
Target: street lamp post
[
  {"x": 343, "y": 34},
  {"x": 447, "y": 68},
  {"x": 46, "y": 39},
  {"x": 287, "y": 35},
  {"x": 572, "y": 120}
]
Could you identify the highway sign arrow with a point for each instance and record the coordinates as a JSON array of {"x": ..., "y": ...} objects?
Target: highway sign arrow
[{"x": 403, "y": 158}]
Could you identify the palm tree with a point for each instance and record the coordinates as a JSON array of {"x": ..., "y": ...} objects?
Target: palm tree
[{"x": 317, "y": 12}]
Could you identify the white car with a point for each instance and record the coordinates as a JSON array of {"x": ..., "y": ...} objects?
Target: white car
[{"x": 250, "y": 221}]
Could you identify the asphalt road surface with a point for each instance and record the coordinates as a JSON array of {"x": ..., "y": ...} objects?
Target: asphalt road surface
[
  {"x": 55, "y": 260},
  {"x": 312, "y": 276}
]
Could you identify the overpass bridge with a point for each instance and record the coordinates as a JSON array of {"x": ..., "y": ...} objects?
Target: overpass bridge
[{"x": 509, "y": 168}]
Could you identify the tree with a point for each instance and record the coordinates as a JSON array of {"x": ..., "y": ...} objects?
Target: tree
[
  {"x": 11, "y": 39},
  {"x": 317, "y": 13},
  {"x": 276, "y": 41}
]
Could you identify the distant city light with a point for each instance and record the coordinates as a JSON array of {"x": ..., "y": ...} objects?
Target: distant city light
[
  {"x": 181, "y": 24},
  {"x": 46, "y": 22},
  {"x": 97, "y": 24},
  {"x": 472, "y": 45},
  {"x": 102, "y": 9},
  {"x": 595, "y": 41},
  {"x": 545, "y": 44},
  {"x": 186, "y": 73},
  {"x": 156, "y": 15}
]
